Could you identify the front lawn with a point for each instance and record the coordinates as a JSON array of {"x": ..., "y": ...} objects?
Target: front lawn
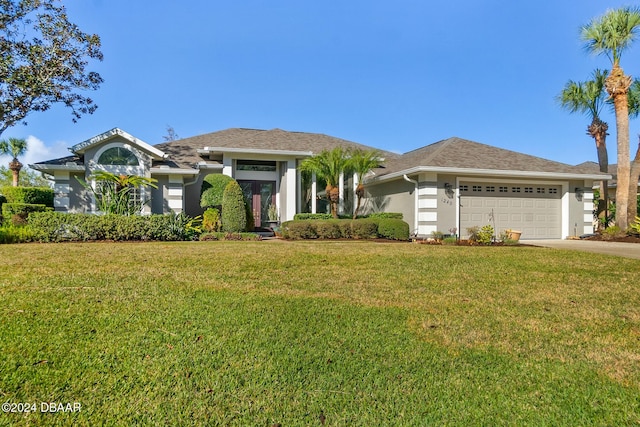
[{"x": 313, "y": 333}]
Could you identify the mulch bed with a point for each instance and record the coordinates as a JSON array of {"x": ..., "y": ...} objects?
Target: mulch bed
[{"x": 624, "y": 239}]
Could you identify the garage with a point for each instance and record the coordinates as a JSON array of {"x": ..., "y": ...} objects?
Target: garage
[{"x": 534, "y": 209}]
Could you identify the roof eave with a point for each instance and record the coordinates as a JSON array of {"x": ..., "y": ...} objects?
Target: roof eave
[
  {"x": 47, "y": 167},
  {"x": 173, "y": 171},
  {"x": 494, "y": 172},
  {"x": 81, "y": 147},
  {"x": 288, "y": 153}
]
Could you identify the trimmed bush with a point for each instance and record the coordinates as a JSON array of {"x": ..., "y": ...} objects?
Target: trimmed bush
[
  {"x": 307, "y": 216},
  {"x": 393, "y": 229},
  {"x": 15, "y": 234},
  {"x": 211, "y": 220},
  {"x": 230, "y": 236},
  {"x": 298, "y": 230},
  {"x": 234, "y": 216},
  {"x": 345, "y": 228},
  {"x": 328, "y": 229},
  {"x": 385, "y": 215},
  {"x": 18, "y": 213},
  {"x": 212, "y": 190},
  {"x": 364, "y": 229},
  {"x": 60, "y": 227},
  {"x": 30, "y": 195}
]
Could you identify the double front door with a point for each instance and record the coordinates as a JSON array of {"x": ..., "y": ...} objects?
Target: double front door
[{"x": 260, "y": 195}]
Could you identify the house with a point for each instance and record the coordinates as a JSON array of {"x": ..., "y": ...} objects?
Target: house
[{"x": 451, "y": 184}]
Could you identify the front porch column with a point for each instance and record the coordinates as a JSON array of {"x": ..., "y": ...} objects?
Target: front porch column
[
  {"x": 355, "y": 187},
  {"x": 314, "y": 193},
  {"x": 341, "y": 187},
  {"x": 291, "y": 187},
  {"x": 227, "y": 165}
]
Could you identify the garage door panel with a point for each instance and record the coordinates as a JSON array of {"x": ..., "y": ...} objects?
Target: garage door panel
[{"x": 538, "y": 214}]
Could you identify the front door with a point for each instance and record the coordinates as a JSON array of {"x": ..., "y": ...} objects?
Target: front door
[{"x": 260, "y": 195}]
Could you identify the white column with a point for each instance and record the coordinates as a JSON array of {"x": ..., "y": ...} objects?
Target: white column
[
  {"x": 291, "y": 190},
  {"x": 341, "y": 187},
  {"x": 355, "y": 186},
  {"x": 227, "y": 165},
  {"x": 314, "y": 193}
]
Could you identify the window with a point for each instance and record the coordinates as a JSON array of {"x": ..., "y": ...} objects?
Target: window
[
  {"x": 491, "y": 189},
  {"x": 540, "y": 190},
  {"x": 553, "y": 191},
  {"x": 528, "y": 189},
  {"x": 464, "y": 188},
  {"x": 515, "y": 189},
  {"x": 256, "y": 165},
  {"x": 111, "y": 199},
  {"x": 477, "y": 188},
  {"x": 118, "y": 156},
  {"x": 503, "y": 189}
]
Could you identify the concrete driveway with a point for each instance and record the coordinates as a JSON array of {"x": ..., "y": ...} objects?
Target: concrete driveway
[{"x": 627, "y": 250}]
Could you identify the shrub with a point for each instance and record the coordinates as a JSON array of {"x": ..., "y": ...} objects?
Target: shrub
[
  {"x": 211, "y": 220},
  {"x": 212, "y": 190},
  {"x": 634, "y": 228},
  {"x": 328, "y": 229},
  {"x": 385, "y": 215},
  {"x": 345, "y": 228},
  {"x": 58, "y": 227},
  {"x": 230, "y": 236},
  {"x": 251, "y": 221},
  {"x": 30, "y": 195},
  {"x": 437, "y": 235},
  {"x": 364, "y": 229},
  {"x": 393, "y": 229},
  {"x": 234, "y": 216},
  {"x": 298, "y": 230},
  {"x": 473, "y": 233},
  {"x": 485, "y": 235},
  {"x": 306, "y": 216},
  {"x": 612, "y": 232},
  {"x": 15, "y": 234},
  {"x": 17, "y": 213}
]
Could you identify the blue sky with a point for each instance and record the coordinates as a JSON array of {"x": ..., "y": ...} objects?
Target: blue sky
[{"x": 393, "y": 75}]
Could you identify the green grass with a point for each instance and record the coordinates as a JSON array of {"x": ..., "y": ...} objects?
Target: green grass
[{"x": 264, "y": 333}]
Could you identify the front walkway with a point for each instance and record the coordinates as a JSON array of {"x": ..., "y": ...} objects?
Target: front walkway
[{"x": 627, "y": 250}]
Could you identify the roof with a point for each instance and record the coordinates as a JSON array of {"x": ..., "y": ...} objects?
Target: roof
[
  {"x": 457, "y": 153},
  {"x": 185, "y": 151}
]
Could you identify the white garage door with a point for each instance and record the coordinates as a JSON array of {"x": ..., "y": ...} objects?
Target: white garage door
[{"x": 536, "y": 210}]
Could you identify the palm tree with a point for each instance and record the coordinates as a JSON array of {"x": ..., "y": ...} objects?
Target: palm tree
[
  {"x": 634, "y": 175},
  {"x": 329, "y": 165},
  {"x": 363, "y": 162},
  {"x": 589, "y": 98},
  {"x": 113, "y": 192},
  {"x": 610, "y": 35},
  {"x": 14, "y": 147}
]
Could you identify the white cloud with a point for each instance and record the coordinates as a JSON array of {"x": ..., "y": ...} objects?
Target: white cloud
[{"x": 38, "y": 150}]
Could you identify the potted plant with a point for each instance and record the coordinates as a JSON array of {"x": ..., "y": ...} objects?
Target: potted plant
[{"x": 272, "y": 215}]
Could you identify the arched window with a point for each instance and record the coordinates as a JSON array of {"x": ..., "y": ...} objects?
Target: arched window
[{"x": 118, "y": 156}]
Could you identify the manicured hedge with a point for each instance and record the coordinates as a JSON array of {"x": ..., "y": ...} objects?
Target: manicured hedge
[
  {"x": 305, "y": 216},
  {"x": 345, "y": 228},
  {"x": 376, "y": 215},
  {"x": 219, "y": 235},
  {"x": 61, "y": 227},
  {"x": 30, "y": 195},
  {"x": 234, "y": 214},
  {"x": 18, "y": 213},
  {"x": 393, "y": 229},
  {"x": 212, "y": 190},
  {"x": 385, "y": 215}
]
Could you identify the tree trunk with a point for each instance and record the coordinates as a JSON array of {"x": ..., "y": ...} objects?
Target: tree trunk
[
  {"x": 617, "y": 85},
  {"x": 598, "y": 130},
  {"x": 634, "y": 177},
  {"x": 359, "y": 195},
  {"x": 15, "y": 167},
  {"x": 333, "y": 193}
]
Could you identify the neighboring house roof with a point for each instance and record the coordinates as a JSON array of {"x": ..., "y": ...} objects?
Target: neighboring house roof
[
  {"x": 457, "y": 154},
  {"x": 185, "y": 151}
]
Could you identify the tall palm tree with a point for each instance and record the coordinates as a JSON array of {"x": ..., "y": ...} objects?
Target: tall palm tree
[
  {"x": 14, "y": 147},
  {"x": 363, "y": 162},
  {"x": 589, "y": 98},
  {"x": 329, "y": 165},
  {"x": 611, "y": 34},
  {"x": 634, "y": 175}
]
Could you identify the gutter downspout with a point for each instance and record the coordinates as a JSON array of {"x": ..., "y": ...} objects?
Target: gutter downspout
[{"x": 415, "y": 203}]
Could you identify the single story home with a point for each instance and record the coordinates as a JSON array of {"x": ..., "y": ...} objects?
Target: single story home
[{"x": 447, "y": 186}]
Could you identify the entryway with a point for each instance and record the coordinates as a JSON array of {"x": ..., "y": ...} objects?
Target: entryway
[{"x": 260, "y": 195}]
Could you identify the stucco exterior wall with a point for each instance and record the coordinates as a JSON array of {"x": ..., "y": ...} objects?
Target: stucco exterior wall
[
  {"x": 580, "y": 208},
  {"x": 393, "y": 196},
  {"x": 447, "y": 199}
]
